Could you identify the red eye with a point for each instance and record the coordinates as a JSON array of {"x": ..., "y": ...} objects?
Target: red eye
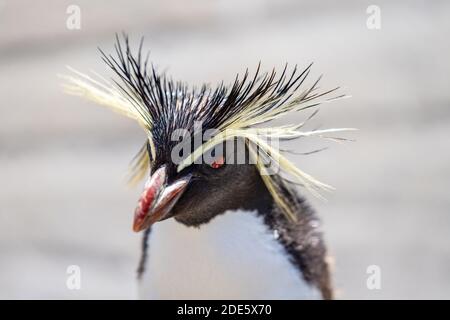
[{"x": 218, "y": 162}]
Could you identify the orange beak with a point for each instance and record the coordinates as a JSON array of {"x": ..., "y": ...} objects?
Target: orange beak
[{"x": 157, "y": 199}]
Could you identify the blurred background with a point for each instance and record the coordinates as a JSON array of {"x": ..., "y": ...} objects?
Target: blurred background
[{"x": 63, "y": 197}]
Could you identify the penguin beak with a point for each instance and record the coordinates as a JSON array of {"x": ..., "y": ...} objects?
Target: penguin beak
[{"x": 157, "y": 199}]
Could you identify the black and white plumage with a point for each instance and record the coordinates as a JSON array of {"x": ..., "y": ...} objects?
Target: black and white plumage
[
  {"x": 219, "y": 229},
  {"x": 244, "y": 248}
]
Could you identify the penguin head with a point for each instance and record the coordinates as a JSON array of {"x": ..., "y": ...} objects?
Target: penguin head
[{"x": 179, "y": 185}]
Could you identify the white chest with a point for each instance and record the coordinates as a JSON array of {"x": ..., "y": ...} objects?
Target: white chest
[{"x": 234, "y": 256}]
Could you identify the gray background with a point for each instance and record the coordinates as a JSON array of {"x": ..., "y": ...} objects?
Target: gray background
[{"x": 63, "y": 199}]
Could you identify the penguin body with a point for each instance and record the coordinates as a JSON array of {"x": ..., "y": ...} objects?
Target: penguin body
[{"x": 233, "y": 256}]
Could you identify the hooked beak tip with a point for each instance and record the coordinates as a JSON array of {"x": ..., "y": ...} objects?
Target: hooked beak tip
[
  {"x": 138, "y": 223},
  {"x": 137, "y": 227}
]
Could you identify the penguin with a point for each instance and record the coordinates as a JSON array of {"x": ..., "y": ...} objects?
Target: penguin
[{"x": 222, "y": 218}]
